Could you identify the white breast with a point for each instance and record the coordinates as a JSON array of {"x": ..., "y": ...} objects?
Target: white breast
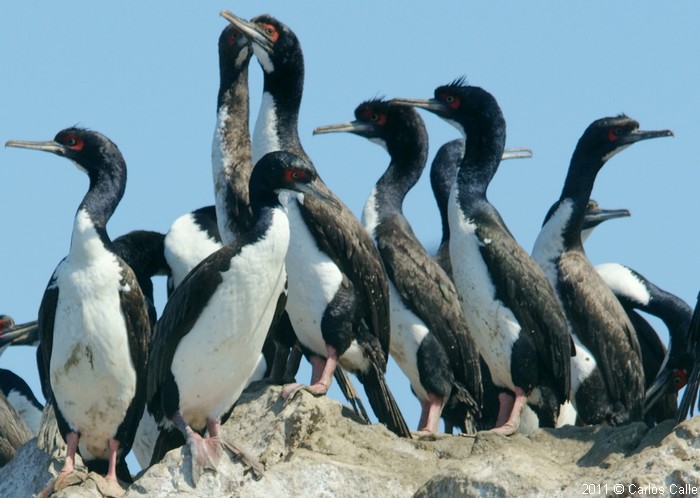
[
  {"x": 407, "y": 334},
  {"x": 549, "y": 245},
  {"x": 186, "y": 245},
  {"x": 407, "y": 330},
  {"x": 92, "y": 375},
  {"x": 314, "y": 280},
  {"x": 494, "y": 327},
  {"x": 215, "y": 359}
]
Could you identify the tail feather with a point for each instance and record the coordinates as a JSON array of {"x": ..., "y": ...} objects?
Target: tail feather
[
  {"x": 350, "y": 393},
  {"x": 383, "y": 402},
  {"x": 168, "y": 439}
]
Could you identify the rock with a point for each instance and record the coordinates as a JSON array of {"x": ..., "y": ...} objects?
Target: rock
[{"x": 318, "y": 447}]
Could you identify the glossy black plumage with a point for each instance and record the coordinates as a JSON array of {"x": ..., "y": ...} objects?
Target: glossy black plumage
[
  {"x": 596, "y": 316},
  {"x": 540, "y": 355},
  {"x": 362, "y": 300},
  {"x": 197, "y": 316},
  {"x": 448, "y": 366},
  {"x": 100, "y": 158}
]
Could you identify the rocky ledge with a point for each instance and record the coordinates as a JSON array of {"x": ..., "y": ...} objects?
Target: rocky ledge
[{"x": 316, "y": 447}]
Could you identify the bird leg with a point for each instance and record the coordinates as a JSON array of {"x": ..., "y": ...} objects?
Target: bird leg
[
  {"x": 321, "y": 375},
  {"x": 68, "y": 476},
  {"x": 430, "y": 414},
  {"x": 505, "y": 404},
  {"x": 511, "y": 425}
]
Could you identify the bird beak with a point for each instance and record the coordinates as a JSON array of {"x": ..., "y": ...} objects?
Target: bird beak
[
  {"x": 595, "y": 218},
  {"x": 639, "y": 135},
  {"x": 431, "y": 105},
  {"x": 315, "y": 192},
  {"x": 250, "y": 30},
  {"x": 661, "y": 386},
  {"x": 516, "y": 153},
  {"x": 24, "y": 334},
  {"x": 48, "y": 146},
  {"x": 350, "y": 127}
]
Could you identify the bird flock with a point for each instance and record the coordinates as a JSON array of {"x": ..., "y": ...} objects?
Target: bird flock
[{"x": 278, "y": 269}]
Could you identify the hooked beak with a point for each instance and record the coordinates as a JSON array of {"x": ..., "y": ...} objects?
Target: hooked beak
[
  {"x": 350, "y": 127},
  {"x": 24, "y": 334},
  {"x": 639, "y": 135},
  {"x": 251, "y": 30},
  {"x": 48, "y": 146},
  {"x": 431, "y": 105}
]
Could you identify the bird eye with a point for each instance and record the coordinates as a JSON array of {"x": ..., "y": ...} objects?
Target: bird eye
[
  {"x": 680, "y": 378},
  {"x": 271, "y": 32},
  {"x": 614, "y": 133},
  {"x": 73, "y": 142}
]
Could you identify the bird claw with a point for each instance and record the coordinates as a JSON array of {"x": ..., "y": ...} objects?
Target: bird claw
[
  {"x": 253, "y": 464},
  {"x": 507, "y": 429}
]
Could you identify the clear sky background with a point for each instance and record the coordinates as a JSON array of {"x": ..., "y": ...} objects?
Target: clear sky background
[{"x": 146, "y": 75}]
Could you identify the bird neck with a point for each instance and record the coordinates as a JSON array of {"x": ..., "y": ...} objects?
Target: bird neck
[
  {"x": 578, "y": 186},
  {"x": 675, "y": 313},
  {"x": 403, "y": 173},
  {"x": 231, "y": 156},
  {"x": 104, "y": 193},
  {"x": 482, "y": 155},
  {"x": 277, "y": 126}
]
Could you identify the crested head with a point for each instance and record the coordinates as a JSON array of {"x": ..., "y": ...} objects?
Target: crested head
[
  {"x": 606, "y": 137},
  {"x": 280, "y": 170},
  {"x": 469, "y": 107}
]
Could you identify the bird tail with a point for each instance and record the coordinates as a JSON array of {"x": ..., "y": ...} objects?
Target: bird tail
[
  {"x": 350, "y": 393},
  {"x": 382, "y": 401},
  {"x": 168, "y": 439},
  {"x": 468, "y": 406}
]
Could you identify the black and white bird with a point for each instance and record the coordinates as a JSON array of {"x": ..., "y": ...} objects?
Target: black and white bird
[
  {"x": 665, "y": 369},
  {"x": 429, "y": 337},
  {"x": 508, "y": 303},
  {"x": 607, "y": 373},
  {"x": 213, "y": 327},
  {"x": 21, "y": 397},
  {"x": 443, "y": 172},
  {"x": 93, "y": 320},
  {"x": 338, "y": 294}
]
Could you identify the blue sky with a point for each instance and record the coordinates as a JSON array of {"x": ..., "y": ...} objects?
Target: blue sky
[{"x": 147, "y": 77}]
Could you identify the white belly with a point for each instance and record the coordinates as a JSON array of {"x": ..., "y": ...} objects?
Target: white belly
[
  {"x": 494, "y": 327},
  {"x": 215, "y": 359},
  {"x": 92, "y": 375},
  {"x": 407, "y": 334},
  {"x": 314, "y": 279}
]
